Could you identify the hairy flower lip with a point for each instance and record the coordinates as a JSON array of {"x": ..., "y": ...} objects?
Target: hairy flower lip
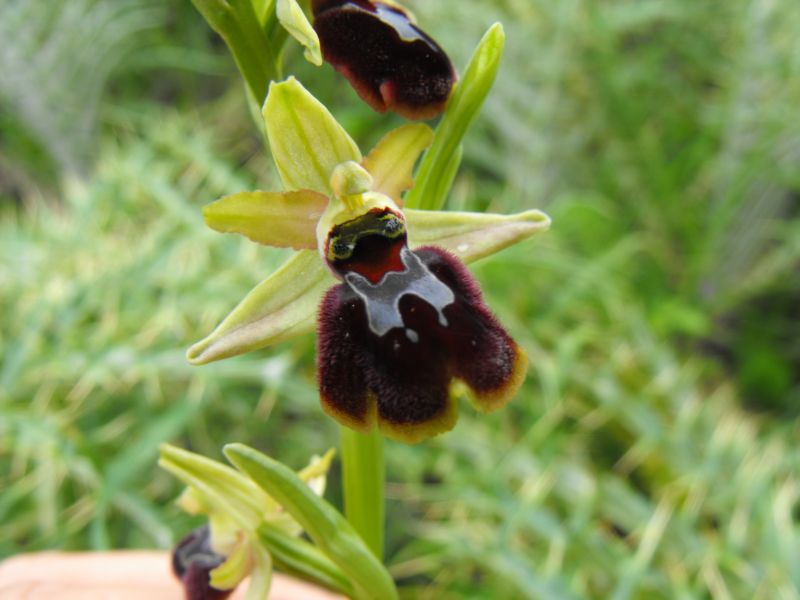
[
  {"x": 390, "y": 62},
  {"x": 390, "y": 354}
]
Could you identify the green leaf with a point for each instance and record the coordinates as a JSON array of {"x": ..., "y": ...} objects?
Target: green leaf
[
  {"x": 297, "y": 557},
  {"x": 391, "y": 162},
  {"x": 467, "y": 99},
  {"x": 280, "y": 307},
  {"x": 470, "y": 235},
  {"x": 264, "y": 9},
  {"x": 285, "y": 219},
  {"x": 306, "y": 141},
  {"x": 295, "y": 22},
  {"x": 440, "y": 186},
  {"x": 326, "y": 526}
]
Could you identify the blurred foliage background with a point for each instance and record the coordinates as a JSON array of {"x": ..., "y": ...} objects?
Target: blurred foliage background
[{"x": 653, "y": 451}]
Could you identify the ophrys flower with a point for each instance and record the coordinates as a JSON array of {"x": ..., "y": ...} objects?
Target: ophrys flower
[
  {"x": 407, "y": 323},
  {"x": 378, "y": 47},
  {"x": 212, "y": 560}
]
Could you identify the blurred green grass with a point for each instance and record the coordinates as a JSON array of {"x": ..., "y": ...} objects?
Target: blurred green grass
[{"x": 652, "y": 452}]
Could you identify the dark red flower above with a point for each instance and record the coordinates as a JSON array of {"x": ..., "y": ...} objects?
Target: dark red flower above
[
  {"x": 401, "y": 329},
  {"x": 192, "y": 561},
  {"x": 389, "y": 61}
]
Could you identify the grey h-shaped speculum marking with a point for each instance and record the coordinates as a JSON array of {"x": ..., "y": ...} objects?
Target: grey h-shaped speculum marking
[{"x": 382, "y": 299}]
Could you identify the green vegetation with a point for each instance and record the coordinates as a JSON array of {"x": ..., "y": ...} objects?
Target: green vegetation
[{"x": 653, "y": 450}]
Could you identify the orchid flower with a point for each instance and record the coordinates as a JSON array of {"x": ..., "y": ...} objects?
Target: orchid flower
[
  {"x": 378, "y": 47},
  {"x": 406, "y": 323},
  {"x": 388, "y": 59},
  {"x": 256, "y": 515},
  {"x": 212, "y": 560}
]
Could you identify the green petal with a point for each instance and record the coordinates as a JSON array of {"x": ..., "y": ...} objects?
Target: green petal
[
  {"x": 261, "y": 577},
  {"x": 236, "y": 567},
  {"x": 391, "y": 162},
  {"x": 431, "y": 189},
  {"x": 325, "y": 525},
  {"x": 285, "y": 219},
  {"x": 294, "y": 21},
  {"x": 280, "y": 307},
  {"x": 469, "y": 235},
  {"x": 305, "y": 139},
  {"x": 317, "y": 470}
]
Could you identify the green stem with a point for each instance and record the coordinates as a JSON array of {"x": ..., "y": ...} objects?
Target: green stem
[
  {"x": 364, "y": 474},
  {"x": 237, "y": 23}
]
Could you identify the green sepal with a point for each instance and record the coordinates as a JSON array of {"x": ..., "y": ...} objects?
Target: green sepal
[
  {"x": 306, "y": 141},
  {"x": 326, "y": 526},
  {"x": 391, "y": 162},
  {"x": 283, "y": 219},
  {"x": 466, "y": 101},
  {"x": 297, "y": 557},
  {"x": 280, "y": 307},
  {"x": 472, "y": 235},
  {"x": 226, "y": 490},
  {"x": 294, "y": 20},
  {"x": 315, "y": 476}
]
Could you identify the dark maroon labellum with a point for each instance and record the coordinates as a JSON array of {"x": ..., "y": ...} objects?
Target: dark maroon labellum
[
  {"x": 399, "y": 330},
  {"x": 389, "y": 61},
  {"x": 192, "y": 562}
]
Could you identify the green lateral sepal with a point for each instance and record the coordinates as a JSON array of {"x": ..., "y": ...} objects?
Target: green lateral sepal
[{"x": 326, "y": 526}]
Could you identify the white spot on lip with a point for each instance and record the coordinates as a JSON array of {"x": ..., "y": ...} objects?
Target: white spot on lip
[
  {"x": 412, "y": 335},
  {"x": 382, "y": 299},
  {"x": 462, "y": 248}
]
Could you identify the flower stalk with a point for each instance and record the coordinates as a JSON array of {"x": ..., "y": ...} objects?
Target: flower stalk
[
  {"x": 376, "y": 266},
  {"x": 237, "y": 23},
  {"x": 363, "y": 473}
]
